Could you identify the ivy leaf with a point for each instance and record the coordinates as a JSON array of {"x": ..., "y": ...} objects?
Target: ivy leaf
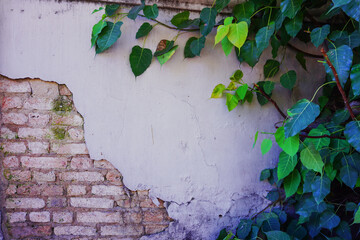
[
  {"x": 243, "y": 10},
  {"x": 241, "y": 91},
  {"x": 296, "y": 230},
  {"x": 271, "y": 68},
  {"x": 222, "y": 31},
  {"x": 301, "y": 60},
  {"x": 329, "y": 220},
  {"x": 221, "y": 4},
  {"x": 187, "y": 50},
  {"x": 180, "y": 18},
  {"x": 301, "y": 115},
  {"x": 108, "y": 36},
  {"x": 244, "y": 228},
  {"x": 318, "y": 35},
  {"x": 266, "y": 145},
  {"x": 341, "y": 58},
  {"x": 97, "y": 28},
  {"x": 320, "y": 188},
  {"x": 263, "y": 36},
  {"x": 352, "y": 9},
  {"x": 250, "y": 53},
  {"x": 294, "y": 25},
  {"x": 144, "y": 30},
  {"x": 166, "y": 57},
  {"x": 134, "y": 12},
  {"x": 289, "y": 145},
  {"x": 151, "y": 12},
  {"x": 111, "y": 9},
  {"x": 311, "y": 159},
  {"x": 286, "y": 165},
  {"x": 208, "y": 16},
  {"x": 218, "y": 91},
  {"x": 343, "y": 230},
  {"x": 275, "y": 44},
  {"x": 197, "y": 45},
  {"x": 227, "y": 46},
  {"x": 277, "y": 235},
  {"x": 319, "y": 143},
  {"x": 231, "y": 101},
  {"x": 238, "y": 33},
  {"x": 355, "y": 79},
  {"x": 289, "y": 8},
  {"x": 352, "y": 134},
  {"x": 140, "y": 60},
  {"x": 357, "y": 216},
  {"x": 288, "y": 79},
  {"x": 291, "y": 183}
]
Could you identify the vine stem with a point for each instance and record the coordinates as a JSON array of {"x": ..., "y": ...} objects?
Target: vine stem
[
  {"x": 170, "y": 27},
  {"x": 346, "y": 101},
  {"x": 268, "y": 206},
  {"x": 322, "y": 136},
  {"x": 270, "y": 100}
]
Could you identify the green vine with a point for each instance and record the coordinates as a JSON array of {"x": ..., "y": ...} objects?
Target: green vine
[{"x": 317, "y": 179}]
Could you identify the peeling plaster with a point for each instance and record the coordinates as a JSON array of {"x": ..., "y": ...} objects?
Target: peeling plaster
[{"x": 161, "y": 130}]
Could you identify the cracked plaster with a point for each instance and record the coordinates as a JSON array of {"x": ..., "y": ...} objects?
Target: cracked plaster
[{"x": 161, "y": 130}]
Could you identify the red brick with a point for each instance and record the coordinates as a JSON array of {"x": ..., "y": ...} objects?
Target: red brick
[
  {"x": 11, "y": 162},
  {"x": 38, "y": 147},
  {"x": 14, "y": 86},
  {"x": 38, "y": 119},
  {"x": 76, "y": 190},
  {"x": 11, "y": 190},
  {"x": 64, "y": 91},
  {"x": 63, "y": 217},
  {"x": 44, "y": 177},
  {"x": 91, "y": 202},
  {"x": 37, "y": 133},
  {"x": 56, "y": 202},
  {"x": 24, "y": 203},
  {"x": 16, "y": 217},
  {"x": 99, "y": 217},
  {"x": 153, "y": 216},
  {"x": 53, "y": 190},
  {"x": 11, "y": 102},
  {"x": 15, "y": 118},
  {"x": 132, "y": 217},
  {"x": 74, "y": 230},
  {"x": 38, "y": 103},
  {"x": 103, "y": 164},
  {"x": 114, "y": 177},
  {"x": 39, "y": 216},
  {"x": 81, "y": 163},
  {"x": 121, "y": 230},
  {"x": 81, "y": 176},
  {"x": 14, "y": 147},
  {"x": 69, "y": 120},
  {"x": 151, "y": 229},
  {"x": 44, "y": 89},
  {"x": 29, "y": 189},
  {"x": 43, "y": 162},
  {"x": 76, "y": 134},
  {"x": 107, "y": 190},
  {"x": 70, "y": 148},
  {"x": 36, "y": 231},
  {"x": 6, "y": 133},
  {"x": 17, "y": 175}
]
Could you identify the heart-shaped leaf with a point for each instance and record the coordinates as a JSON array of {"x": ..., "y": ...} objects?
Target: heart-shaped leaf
[
  {"x": 266, "y": 145},
  {"x": 286, "y": 165},
  {"x": 243, "y": 10},
  {"x": 166, "y": 56},
  {"x": 134, "y": 12},
  {"x": 289, "y": 145},
  {"x": 277, "y": 235},
  {"x": 288, "y": 79},
  {"x": 187, "y": 50},
  {"x": 311, "y": 159},
  {"x": 289, "y": 8},
  {"x": 318, "y": 35},
  {"x": 144, "y": 30},
  {"x": 140, "y": 60},
  {"x": 320, "y": 188},
  {"x": 197, "y": 45},
  {"x": 231, "y": 101},
  {"x": 222, "y": 31},
  {"x": 208, "y": 16},
  {"x": 238, "y": 33},
  {"x": 250, "y": 53},
  {"x": 108, "y": 36},
  {"x": 352, "y": 134},
  {"x": 294, "y": 25},
  {"x": 291, "y": 183},
  {"x": 111, "y": 9},
  {"x": 97, "y": 28},
  {"x": 355, "y": 79},
  {"x": 218, "y": 91},
  {"x": 263, "y": 36},
  {"x": 151, "y": 12},
  {"x": 271, "y": 68}
]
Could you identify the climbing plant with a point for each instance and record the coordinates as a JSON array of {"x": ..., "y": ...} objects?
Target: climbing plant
[{"x": 317, "y": 178}]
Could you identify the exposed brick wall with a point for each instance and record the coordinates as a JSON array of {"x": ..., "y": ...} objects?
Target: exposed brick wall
[{"x": 50, "y": 188}]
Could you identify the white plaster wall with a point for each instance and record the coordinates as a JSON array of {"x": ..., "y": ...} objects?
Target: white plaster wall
[{"x": 161, "y": 130}]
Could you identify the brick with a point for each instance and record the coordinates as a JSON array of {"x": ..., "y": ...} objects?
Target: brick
[
  {"x": 76, "y": 134},
  {"x": 14, "y": 118},
  {"x": 11, "y": 162},
  {"x": 6, "y": 133},
  {"x": 76, "y": 190},
  {"x": 53, "y": 190},
  {"x": 14, "y": 147},
  {"x": 43, "y": 162},
  {"x": 151, "y": 229},
  {"x": 37, "y": 133},
  {"x": 91, "y": 202},
  {"x": 39, "y": 217},
  {"x": 74, "y": 230},
  {"x": 16, "y": 217},
  {"x": 147, "y": 203},
  {"x": 17, "y": 175},
  {"x": 14, "y": 86},
  {"x": 38, "y": 119},
  {"x": 69, "y": 120},
  {"x": 133, "y": 217},
  {"x": 29, "y": 189},
  {"x": 153, "y": 216},
  {"x": 35, "y": 103},
  {"x": 103, "y": 164},
  {"x": 114, "y": 177},
  {"x": 38, "y": 147},
  {"x": 44, "y": 177},
  {"x": 24, "y": 203},
  {"x": 70, "y": 148},
  {"x": 11, "y": 102},
  {"x": 56, "y": 202},
  {"x": 107, "y": 190},
  {"x": 81, "y": 163},
  {"x": 99, "y": 217},
  {"x": 81, "y": 176},
  {"x": 121, "y": 230},
  {"x": 11, "y": 190},
  {"x": 44, "y": 89},
  {"x": 63, "y": 217},
  {"x": 64, "y": 90},
  {"x": 36, "y": 231}
]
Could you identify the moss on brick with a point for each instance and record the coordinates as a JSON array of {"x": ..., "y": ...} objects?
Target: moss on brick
[
  {"x": 62, "y": 105},
  {"x": 59, "y": 133}
]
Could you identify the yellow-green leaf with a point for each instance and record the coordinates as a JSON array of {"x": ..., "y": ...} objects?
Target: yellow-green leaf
[
  {"x": 218, "y": 91},
  {"x": 311, "y": 159},
  {"x": 222, "y": 31},
  {"x": 238, "y": 33},
  {"x": 166, "y": 57}
]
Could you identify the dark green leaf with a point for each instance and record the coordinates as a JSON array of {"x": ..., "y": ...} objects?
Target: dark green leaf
[
  {"x": 268, "y": 221},
  {"x": 208, "y": 16},
  {"x": 134, "y": 12},
  {"x": 308, "y": 180},
  {"x": 357, "y": 215},
  {"x": 180, "y": 18},
  {"x": 266, "y": 145},
  {"x": 291, "y": 183},
  {"x": 308, "y": 205},
  {"x": 248, "y": 97},
  {"x": 151, "y": 12},
  {"x": 161, "y": 50},
  {"x": 281, "y": 214},
  {"x": 320, "y": 187},
  {"x": 187, "y": 50},
  {"x": 350, "y": 206},
  {"x": 301, "y": 115},
  {"x": 144, "y": 30},
  {"x": 97, "y": 28},
  {"x": 343, "y": 230},
  {"x": 340, "y": 145},
  {"x": 296, "y": 230},
  {"x": 340, "y": 116},
  {"x": 286, "y": 165},
  {"x": 352, "y": 134},
  {"x": 355, "y": 79},
  {"x": 244, "y": 228},
  {"x": 343, "y": 38},
  {"x": 243, "y": 10},
  {"x": 222, "y": 234},
  {"x": 271, "y": 68},
  {"x": 140, "y": 60},
  {"x": 108, "y": 36},
  {"x": 330, "y": 171},
  {"x": 318, "y": 35},
  {"x": 265, "y": 174},
  {"x": 294, "y": 25},
  {"x": 348, "y": 174},
  {"x": 231, "y": 101},
  {"x": 341, "y": 58},
  {"x": 288, "y": 79},
  {"x": 268, "y": 87},
  {"x": 339, "y": 3},
  {"x": 273, "y": 195},
  {"x": 329, "y": 220},
  {"x": 221, "y": 4},
  {"x": 301, "y": 60},
  {"x": 275, "y": 44},
  {"x": 254, "y": 233},
  {"x": 111, "y": 9},
  {"x": 197, "y": 45},
  {"x": 277, "y": 235},
  {"x": 97, "y": 10},
  {"x": 250, "y": 53},
  {"x": 313, "y": 225},
  {"x": 290, "y": 7},
  {"x": 289, "y": 145},
  {"x": 263, "y": 36},
  {"x": 319, "y": 143},
  {"x": 352, "y": 9},
  {"x": 311, "y": 159},
  {"x": 237, "y": 75}
]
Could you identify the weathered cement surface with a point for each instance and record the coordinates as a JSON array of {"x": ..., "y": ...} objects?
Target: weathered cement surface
[{"x": 161, "y": 130}]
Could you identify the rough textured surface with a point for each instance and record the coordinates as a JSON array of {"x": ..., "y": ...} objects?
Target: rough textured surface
[
  {"x": 160, "y": 130},
  {"x": 53, "y": 194}
]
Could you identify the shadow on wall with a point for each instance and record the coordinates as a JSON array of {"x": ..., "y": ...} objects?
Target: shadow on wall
[{"x": 50, "y": 188}]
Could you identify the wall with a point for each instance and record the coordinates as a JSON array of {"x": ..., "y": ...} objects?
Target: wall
[{"x": 160, "y": 130}]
